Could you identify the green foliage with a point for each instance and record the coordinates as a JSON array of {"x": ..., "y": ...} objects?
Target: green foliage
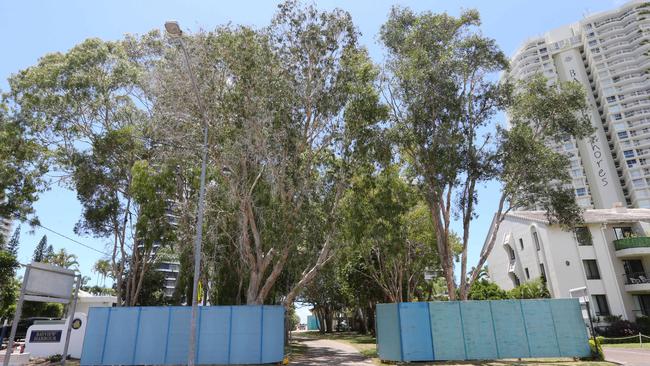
[
  {"x": 8, "y": 284},
  {"x": 23, "y": 162},
  {"x": 62, "y": 259},
  {"x": 596, "y": 350},
  {"x": 486, "y": 290},
  {"x": 41, "y": 309},
  {"x": 13, "y": 243},
  {"x": 535, "y": 289}
]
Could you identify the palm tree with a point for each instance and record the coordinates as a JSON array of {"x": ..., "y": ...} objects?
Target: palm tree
[
  {"x": 63, "y": 259},
  {"x": 102, "y": 267}
]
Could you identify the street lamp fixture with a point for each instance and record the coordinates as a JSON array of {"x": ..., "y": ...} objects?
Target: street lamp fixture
[
  {"x": 173, "y": 28},
  {"x": 175, "y": 31}
]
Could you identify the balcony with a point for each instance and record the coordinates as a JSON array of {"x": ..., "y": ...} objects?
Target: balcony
[
  {"x": 637, "y": 282},
  {"x": 630, "y": 247}
]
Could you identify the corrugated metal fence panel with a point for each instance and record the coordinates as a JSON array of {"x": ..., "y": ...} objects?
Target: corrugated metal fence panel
[
  {"x": 159, "y": 335},
  {"x": 510, "y": 330},
  {"x": 481, "y": 330},
  {"x": 415, "y": 331},
  {"x": 388, "y": 332},
  {"x": 569, "y": 327},
  {"x": 447, "y": 330},
  {"x": 478, "y": 330}
]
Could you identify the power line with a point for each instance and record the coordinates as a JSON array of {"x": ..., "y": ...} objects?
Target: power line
[{"x": 72, "y": 240}]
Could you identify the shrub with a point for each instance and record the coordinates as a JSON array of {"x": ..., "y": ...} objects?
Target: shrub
[
  {"x": 55, "y": 358},
  {"x": 596, "y": 350},
  {"x": 619, "y": 327},
  {"x": 643, "y": 324}
]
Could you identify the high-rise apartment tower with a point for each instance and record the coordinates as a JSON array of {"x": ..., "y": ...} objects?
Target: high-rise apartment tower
[{"x": 609, "y": 54}]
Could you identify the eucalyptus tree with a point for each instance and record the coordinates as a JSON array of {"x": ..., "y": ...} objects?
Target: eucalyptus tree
[
  {"x": 441, "y": 86},
  {"x": 280, "y": 103},
  {"x": 23, "y": 163},
  {"x": 89, "y": 108}
]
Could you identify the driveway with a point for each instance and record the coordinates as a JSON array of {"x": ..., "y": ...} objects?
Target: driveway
[
  {"x": 326, "y": 352},
  {"x": 628, "y": 357}
]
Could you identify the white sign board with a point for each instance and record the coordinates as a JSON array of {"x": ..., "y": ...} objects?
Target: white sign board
[{"x": 48, "y": 280}]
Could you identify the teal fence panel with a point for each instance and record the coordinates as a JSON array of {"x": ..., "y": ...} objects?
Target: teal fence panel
[
  {"x": 159, "y": 335},
  {"x": 481, "y": 330},
  {"x": 541, "y": 328},
  {"x": 478, "y": 329},
  {"x": 509, "y": 328},
  {"x": 447, "y": 330},
  {"x": 567, "y": 318},
  {"x": 389, "y": 342}
]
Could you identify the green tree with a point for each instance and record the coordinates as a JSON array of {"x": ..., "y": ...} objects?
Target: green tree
[
  {"x": 442, "y": 91},
  {"x": 14, "y": 242},
  {"x": 40, "y": 250}
]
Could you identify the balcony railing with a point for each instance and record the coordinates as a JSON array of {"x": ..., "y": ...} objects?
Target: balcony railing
[
  {"x": 637, "y": 242},
  {"x": 637, "y": 278}
]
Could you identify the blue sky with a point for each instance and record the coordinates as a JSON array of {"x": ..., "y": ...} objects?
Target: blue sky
[{"x": 33, "y": 28}]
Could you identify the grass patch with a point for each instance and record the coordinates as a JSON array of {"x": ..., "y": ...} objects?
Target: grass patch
[
  {"x": 627, "y": 345},
  {"x": 367, "y": 346}
]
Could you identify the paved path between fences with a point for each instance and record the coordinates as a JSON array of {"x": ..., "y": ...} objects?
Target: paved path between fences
[
  {"x": 628, "y": 357},
  {"x": 327, "y": 352}
]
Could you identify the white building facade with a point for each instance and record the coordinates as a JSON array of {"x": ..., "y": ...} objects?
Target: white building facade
[
  {"x": 609, "y": 54},
  {"x": 609, "y": 255}
]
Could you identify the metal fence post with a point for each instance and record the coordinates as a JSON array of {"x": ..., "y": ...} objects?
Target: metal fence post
[
  {"x": 14, "y": 325},
  {"x": 69, "y": 330}
]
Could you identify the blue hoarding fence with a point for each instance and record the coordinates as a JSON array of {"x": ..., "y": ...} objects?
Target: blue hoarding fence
[
  {"x": 312, "y": 322},
  {"x": 481, "y": 330},
  {"x": 159, "y": 335}
]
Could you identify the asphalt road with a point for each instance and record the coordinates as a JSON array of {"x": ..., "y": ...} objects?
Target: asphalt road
[
  {"x": 628, "y": 357},
  {"x": 326, "y": 352}
]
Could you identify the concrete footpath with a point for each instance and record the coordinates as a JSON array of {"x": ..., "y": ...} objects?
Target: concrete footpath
[
  {"x": 628, "y": 356},
  {"x": 327, "y": 352}
]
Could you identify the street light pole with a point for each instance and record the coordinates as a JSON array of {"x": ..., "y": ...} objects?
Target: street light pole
[{"x": 175, "y": 31}]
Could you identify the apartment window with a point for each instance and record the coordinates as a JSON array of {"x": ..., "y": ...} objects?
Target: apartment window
[
  {"x": 631, "y": 163},
  {"x": 536, "y": 240},
  {"x": 622, "y": 232},
  {"x": 527, "y": 273},
  {"x": 628, "y": 153},
  {"x": 591, "y": 269},
  {"x": 622, "y": 135},
  {"x": 581, "y": 192},
  {"x": 583, "y": 236},
  {"x": 521, "y": 243},
  {"x": 517, "y": 281},
  {"x": 611, "y": 99},
  {"x": 541, "y": 270},
  {"x": 511, "y": 252},
  {"x": 600, "y": 305}
]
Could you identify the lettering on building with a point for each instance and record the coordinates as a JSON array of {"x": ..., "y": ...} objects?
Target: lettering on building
[{"x": 45, "y": 336}]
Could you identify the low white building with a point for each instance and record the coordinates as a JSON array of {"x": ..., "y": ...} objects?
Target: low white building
[{"x": 609, "y": 254}]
